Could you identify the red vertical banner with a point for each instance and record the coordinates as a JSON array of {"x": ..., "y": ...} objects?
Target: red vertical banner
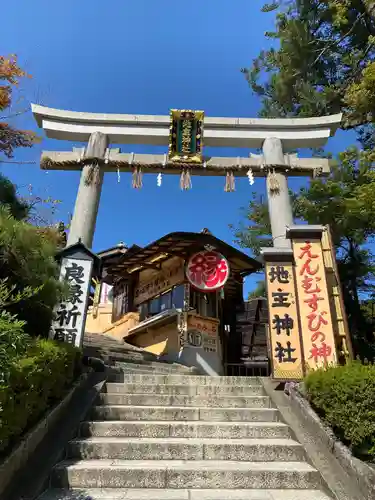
[{"x": 318, "y": 338}]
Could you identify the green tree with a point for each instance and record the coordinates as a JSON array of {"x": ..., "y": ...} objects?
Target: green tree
[
  {"x": 322, "y": 62},
  {"x": 346, "y": 202},
  {"x": 18, "y": 208},
  {"x": 259, "y": 290},
  {"x": 27, "y": 259},
  {"x": 29, "y": 285}
]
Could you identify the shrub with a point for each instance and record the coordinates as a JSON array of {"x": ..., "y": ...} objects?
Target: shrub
[
  {"x": 27, "y": 260},
  {"x": 35, "y": 382},
  {"x": 344, "y": 397}
]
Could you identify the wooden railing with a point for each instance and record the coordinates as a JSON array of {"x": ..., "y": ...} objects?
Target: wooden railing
[{"x": 251, "y": 369}]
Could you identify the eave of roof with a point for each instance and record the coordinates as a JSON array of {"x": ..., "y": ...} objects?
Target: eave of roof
[
  {"x": 182, "y": 244},
  {"x": 117, "y": 251}
]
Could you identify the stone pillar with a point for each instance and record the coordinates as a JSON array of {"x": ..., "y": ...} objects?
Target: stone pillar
[
  {"x": 89, "y": 191},
  {"x": 279, "y": 205}
]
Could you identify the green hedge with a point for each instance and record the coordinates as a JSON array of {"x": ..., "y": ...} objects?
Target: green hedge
[
  {"x": 36, "y": 381},
  {"x": 344, "y": 397}
]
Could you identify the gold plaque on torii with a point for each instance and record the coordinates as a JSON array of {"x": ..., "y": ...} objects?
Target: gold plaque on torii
[{"x": 186, "y": 136}]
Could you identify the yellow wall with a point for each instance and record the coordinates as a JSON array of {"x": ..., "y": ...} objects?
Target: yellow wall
[
  {"x": 120, "y": 328},
  {"x": 102, "y": 320},
  {"x": 162, "y": 340}
]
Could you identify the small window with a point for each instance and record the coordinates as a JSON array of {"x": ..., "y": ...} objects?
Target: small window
[
  {"x": 154, "y": 307},
  {"x": 178, "y": 294},
  {"x": 143, "y": 311},
  {"x": 165, "y": 301},
  {"x": 205, "y": 304}
]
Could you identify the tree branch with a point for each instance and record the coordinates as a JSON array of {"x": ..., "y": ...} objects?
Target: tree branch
[
  {"x": 13, "y": 115},
  {"x": 336, "y": 42}
]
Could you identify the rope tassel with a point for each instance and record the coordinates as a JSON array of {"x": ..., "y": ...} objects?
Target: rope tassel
[
  {"x": 93, "y": 174},
  {"x": 229, "y": 183},
  {"x": 137, "y": 182},
  {"x": 185, "y": 179},
  {"x": 273, "y": 183}
]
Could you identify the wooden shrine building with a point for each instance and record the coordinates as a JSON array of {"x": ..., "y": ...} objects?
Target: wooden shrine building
[{"x": 179, "y": 297}]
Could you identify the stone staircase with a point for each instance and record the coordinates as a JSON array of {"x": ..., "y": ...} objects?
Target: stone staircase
[{"x": 158, "y": 432}]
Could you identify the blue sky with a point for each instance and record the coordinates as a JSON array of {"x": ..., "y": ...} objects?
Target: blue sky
[{"x": 141, "y": 57}]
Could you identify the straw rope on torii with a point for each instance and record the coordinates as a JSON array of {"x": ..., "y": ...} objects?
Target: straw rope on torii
[
  {"x": 114, "y": 161},
  {"x": 275, "y": 137}
]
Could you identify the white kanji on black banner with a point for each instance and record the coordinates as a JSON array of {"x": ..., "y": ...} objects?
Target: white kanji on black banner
[{"x": 69, "y": 316}]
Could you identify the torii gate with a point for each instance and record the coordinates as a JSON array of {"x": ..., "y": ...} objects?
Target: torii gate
[
  {"x": 295, "y": 341},
  {"x": 275, "y": 136}
]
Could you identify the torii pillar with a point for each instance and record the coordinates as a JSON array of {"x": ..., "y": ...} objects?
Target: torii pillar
[
  {"x": 86, "y": 208},
  {"x": 279, "y": 204}
]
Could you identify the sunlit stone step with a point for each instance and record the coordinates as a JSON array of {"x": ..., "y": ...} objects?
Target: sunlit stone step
[
  {"x": 184, "y": 474},
  {"x": 223, "y": 430},
  {"x": 187, "y": 401},
  {"x": 173, "y": 448},
  {"x": 183, "y": 389},
  {"x": 182, "y": 494},
  {"x": 122, "y": 412}
]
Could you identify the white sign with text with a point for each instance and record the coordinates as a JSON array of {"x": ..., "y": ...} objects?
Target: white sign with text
[{"x": 69, "y": 320}]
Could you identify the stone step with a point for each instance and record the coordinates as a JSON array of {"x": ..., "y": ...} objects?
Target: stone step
[
  {"x": 184, "y": 474},
  {"x": 151, "y": 494},
  {"x": 243, "y": 450},
  {"x": 152, "y": 367},
  {"x": 142, "y": 378},
  {"x": 187, "y": 401},
  {"x": 109, "y": 347},
  {"x": 138, "y": 371},
  {"x": 122, "y": 412},
  {"x": 223, "y": 430},
  {"x": 184, "y": 390},
  {"x": 159, "y": 365}
]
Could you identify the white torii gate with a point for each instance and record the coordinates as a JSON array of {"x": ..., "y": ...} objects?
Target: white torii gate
[{"x": 275, "y": 136}]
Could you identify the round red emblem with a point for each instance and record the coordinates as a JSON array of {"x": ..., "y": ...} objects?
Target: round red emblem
[{"x": 207, "y": 270}]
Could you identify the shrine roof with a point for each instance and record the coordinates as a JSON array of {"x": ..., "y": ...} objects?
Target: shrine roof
[
  {"x": 182, "y": 244},
  {"x": 117, "y": 250}
]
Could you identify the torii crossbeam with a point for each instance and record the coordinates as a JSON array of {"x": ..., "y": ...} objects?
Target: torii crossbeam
[{"x": 274, "y": 136}]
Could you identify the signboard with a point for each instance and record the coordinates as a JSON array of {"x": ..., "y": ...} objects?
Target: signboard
[
  {"x": 202, "y": 332},
  {"x": 339, "y": 318},
  {"x": 314, "y": 306},
  {"x": 284, "y": 330},
  {"x": 70, "y": 316},
  {"x": 159, "y": 282},
  {"x": 186, "y": 136},
  {"x": 207, "y": 271}
]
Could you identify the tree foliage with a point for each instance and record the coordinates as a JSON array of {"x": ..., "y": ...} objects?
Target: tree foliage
[
  {"x": 344, "y": 396},
  {"x": 322, "y": 62},
  {"x": 18, "y": 208},
  {"x": 259, "y": 290},
  {"x": 11, "y": 138},
  {"x": 27, "y": 259},
  {"x": 346, "y": 202},
  {"x": 28, "y": 241}
]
